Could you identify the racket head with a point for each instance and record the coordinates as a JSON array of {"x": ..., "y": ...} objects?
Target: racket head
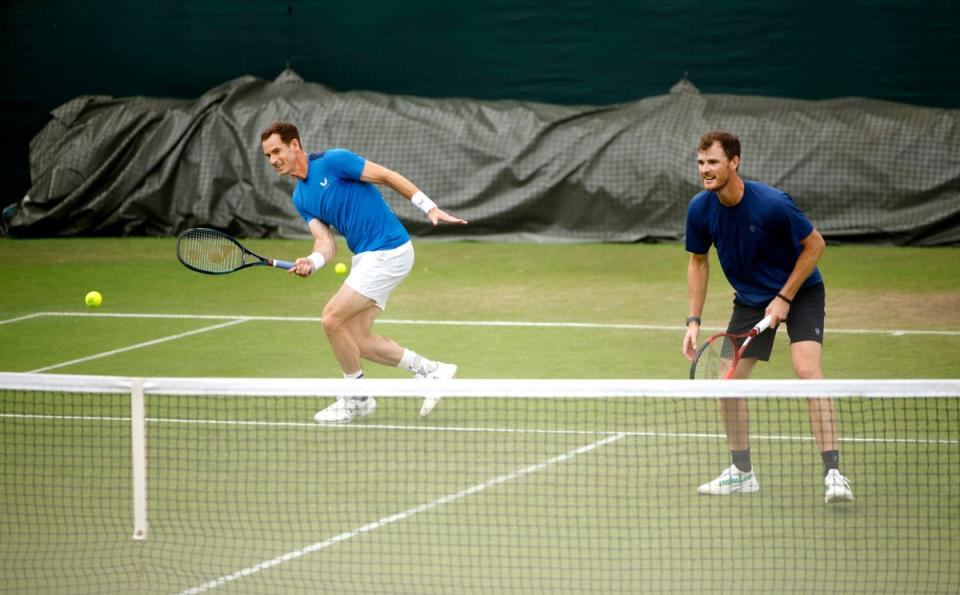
[
  {"x": 716, "y": 359},
  {"x": 213, "y": 252}
]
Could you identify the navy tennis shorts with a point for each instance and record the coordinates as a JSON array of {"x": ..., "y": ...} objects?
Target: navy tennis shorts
[{"x": 804, "y": 321}]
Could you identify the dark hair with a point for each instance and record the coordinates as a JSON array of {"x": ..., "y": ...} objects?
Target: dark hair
[
  {"x": 287, "y": 131},
  {"x": 728, "y": 142}
]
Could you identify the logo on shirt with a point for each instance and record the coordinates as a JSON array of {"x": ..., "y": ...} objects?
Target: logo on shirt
[{"x": 324, "y": 183}]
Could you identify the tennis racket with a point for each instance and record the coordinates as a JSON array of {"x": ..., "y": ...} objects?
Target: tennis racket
[
  {"x": 216, "y": 253},
  {"x": 718, "y": 357}
]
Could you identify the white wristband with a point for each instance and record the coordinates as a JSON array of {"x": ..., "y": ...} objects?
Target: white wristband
[
  {"x": 317, "y": 259},
  {"x": 423, "y": 202}
]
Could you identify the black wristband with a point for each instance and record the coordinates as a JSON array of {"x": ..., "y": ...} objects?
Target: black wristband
[
  {"x": 693, "y": 319},
  {"x": 784, "y": 298}
]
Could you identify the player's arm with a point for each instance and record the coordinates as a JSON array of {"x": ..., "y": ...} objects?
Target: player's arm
[
  {"x": 324, "y": 249},
  {"x": 811, "y": 248},
  {"x": 377, "y": 174},
  {"x": 698, "y": 274}
]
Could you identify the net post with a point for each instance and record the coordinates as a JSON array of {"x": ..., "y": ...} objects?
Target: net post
[{"x": 138, "y": 440}]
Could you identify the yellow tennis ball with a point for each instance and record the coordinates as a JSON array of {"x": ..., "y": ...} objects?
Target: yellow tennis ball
[
  {"x": 93, "y": 299},
  {"x": 340, "y": 268}
]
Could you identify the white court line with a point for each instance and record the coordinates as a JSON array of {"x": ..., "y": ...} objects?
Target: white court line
[
  {"x": 479, "y": 323},
  {"x": 400, "y": 516},
  {"x": 478, "y": 430},
  {"x": 139, "y": 345},
  {"x": 19, "y": 318}
]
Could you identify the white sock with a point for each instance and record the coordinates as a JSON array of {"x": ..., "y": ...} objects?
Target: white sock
[
  {"x": 355, "y": 376},
  {"x": 416, "y": 364}
]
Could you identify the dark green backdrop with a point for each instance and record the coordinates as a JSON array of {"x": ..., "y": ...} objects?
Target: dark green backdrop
[{"x": 557, "y": 51}]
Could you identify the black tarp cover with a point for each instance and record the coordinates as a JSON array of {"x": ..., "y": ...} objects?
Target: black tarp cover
[{"x": 861, "y": 169}]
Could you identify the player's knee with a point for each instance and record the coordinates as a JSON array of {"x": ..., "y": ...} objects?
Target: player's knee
[
  {"x": 807, "y": 371},
  {"x": 332, "y": 323}
]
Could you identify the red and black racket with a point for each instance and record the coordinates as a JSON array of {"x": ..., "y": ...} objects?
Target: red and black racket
[{"x": 718, "y": 357}]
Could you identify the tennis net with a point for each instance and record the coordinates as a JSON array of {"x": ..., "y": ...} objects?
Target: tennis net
[{"x": 184, "y": 485}]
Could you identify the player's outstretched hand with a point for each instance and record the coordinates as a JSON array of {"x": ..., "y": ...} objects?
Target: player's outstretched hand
[{"x": 438, "y": 215}]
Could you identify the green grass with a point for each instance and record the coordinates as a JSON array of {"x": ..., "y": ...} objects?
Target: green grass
[
  {"x": 871, "y": 288},
  {"x": 621, "y": 517}
]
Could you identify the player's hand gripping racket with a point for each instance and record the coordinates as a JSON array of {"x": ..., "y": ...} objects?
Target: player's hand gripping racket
[
  {"x": 718, "y": 357},
  {"x": 216, "y": 253}
]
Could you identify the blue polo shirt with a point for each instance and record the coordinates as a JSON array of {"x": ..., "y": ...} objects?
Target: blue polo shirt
[
  {"x": 333, "y": 193},
  {"x": 758, "y": 240}
]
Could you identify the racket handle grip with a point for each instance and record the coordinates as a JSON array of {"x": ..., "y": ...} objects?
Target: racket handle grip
[
  {"x": 282, "y": 264},
  {"x": 763, "y": 324}
]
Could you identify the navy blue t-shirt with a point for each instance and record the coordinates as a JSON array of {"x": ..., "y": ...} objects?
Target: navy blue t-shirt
[
  {"x": 333, "y": 193},
  {"x": 758, "y": 240}
]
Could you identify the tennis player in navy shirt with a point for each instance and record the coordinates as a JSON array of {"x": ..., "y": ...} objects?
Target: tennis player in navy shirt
[
  {"x": 336, "y": 190},
  {"x": 768, "y": 251}
]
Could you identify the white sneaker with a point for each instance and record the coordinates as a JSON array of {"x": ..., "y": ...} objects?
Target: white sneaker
[
  {"x": 345, "y": 409},
  {"x": 731, "y": 481},
  {"x": 443, "y": 372},
  {"x": 837, "y": 488}
]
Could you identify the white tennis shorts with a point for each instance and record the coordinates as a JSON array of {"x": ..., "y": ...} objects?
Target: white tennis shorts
[{"x": 376, "y": 273}]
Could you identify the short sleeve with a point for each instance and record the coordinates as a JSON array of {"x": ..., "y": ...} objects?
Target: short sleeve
[
  {"x": 298, "y": 204},
  {"x": 800, "y": 226},
  {"x": 343, "y": 163},
  {"x": 697, "y": 238}
]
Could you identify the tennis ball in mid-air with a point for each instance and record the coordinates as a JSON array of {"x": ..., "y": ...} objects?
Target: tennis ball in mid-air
[
  {"x": 340, "y": 269},
  {"x": 93, "y": 299}
]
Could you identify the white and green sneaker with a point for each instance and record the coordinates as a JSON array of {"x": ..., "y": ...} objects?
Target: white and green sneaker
[
  {"x": 731, "y": 481},
  {"x": 345, "y": 409},
  {"x": 441, "y": 372},
  {"x": 837, "y": 488}
]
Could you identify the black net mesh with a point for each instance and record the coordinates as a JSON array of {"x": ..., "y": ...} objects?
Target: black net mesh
[{"x": 559, "y": 495}]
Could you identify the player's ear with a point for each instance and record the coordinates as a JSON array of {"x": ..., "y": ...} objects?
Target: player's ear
[
  {"x": 735, "y": 162},
  {"x": 295, "y": 144}
]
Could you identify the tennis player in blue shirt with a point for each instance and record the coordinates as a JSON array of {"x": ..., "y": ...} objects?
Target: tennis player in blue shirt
[
  {"x": 768, "y": 251},
  {"x": 336, "y": 190}
]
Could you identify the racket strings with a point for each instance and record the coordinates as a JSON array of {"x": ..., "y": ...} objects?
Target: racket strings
[
  {"x": 210, "y": 251},
  {"x": 716, "y": 359}
]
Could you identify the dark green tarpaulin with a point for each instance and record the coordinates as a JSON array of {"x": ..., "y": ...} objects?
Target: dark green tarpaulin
[{"x": 860, "y": 168}]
